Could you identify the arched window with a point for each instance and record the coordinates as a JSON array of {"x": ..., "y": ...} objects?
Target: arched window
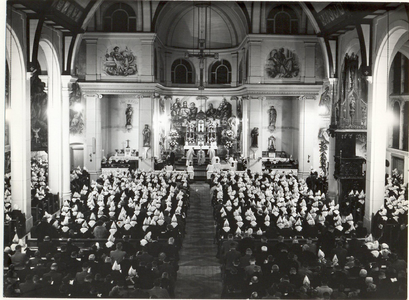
[
  {"x": 182, "y": 71},
  {"x": 282, "y": 20},
  {"x": 220, "y": 72},
  {"x": 120, "y": 17}
]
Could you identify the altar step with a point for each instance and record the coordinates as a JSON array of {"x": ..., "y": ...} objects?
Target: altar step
[{"x": 200, "y": 171}]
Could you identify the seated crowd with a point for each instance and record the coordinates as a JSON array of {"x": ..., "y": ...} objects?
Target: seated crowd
[
  {"x": 277, "y": 239},
  {"x": 137, "y": 221}
]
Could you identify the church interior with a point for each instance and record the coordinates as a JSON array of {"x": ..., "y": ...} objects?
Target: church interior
[{"x": 205, "y": 149}]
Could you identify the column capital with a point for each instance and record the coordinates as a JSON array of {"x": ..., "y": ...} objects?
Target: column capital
[
  {"x": 67, "y": 81},
  {"x": 301, "y": 98},
  {"x": 262, "y": 98}
]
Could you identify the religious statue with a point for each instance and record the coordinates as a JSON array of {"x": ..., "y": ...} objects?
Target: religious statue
[
  {"x": 36, "y": 136},
  {"x": 272, "y": 143},
  {"x": 272, "y": 113},
  {"x": 175, "y": 112},
  {"x": 352, "y": 106},
  {"x": 225, "y": 109},
  {"x": 184, "y": 111},
  {"x": 129, "y": 113},
  {"x": 254, "y": 137},
  {"x": 282, "y": 65},
  {"x": 146, "y": 136},
  {"x": 120, "y": 63},
  {"x": 325, "y": 100},
  {"x": 211, "y": 112},
  {"x": 192, "y": 111}
]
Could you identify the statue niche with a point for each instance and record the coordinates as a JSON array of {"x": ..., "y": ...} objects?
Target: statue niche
[{"x": 351, "y": 108}]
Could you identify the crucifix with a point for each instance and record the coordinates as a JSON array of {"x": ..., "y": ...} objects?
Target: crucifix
[{"x": 201, "y": 56}]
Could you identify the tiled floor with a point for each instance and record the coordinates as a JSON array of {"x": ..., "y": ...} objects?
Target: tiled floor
[{"x": 199, "y": 272}]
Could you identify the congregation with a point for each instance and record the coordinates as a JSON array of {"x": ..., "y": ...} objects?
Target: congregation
[
  {"x": 135, "y": 222},
  {"x": 120, "y": 236},
  {"x": 277, "y": 239}
]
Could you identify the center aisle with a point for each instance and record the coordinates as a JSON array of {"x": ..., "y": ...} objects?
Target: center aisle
[{"x": 199, "y": 270}]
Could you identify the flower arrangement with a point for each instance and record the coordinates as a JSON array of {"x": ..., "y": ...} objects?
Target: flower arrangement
[{"x": 173, "y": 134}]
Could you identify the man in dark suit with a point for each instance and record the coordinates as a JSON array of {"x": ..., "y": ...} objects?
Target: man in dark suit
[
  {"x": 55, "y": 276},
  {"x": 30, "y": 287}
]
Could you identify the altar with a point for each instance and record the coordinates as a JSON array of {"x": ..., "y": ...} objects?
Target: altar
[
  {"x": 120, "y": 162},
  {"x": 198, "y": 126}
]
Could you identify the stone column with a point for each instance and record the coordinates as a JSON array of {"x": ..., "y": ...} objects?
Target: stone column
[
  {"x": 246, "y": 133},
  {"x": 145, "y": 117},
  {"x": 93, "y": 135},
  {"x": 255, "y": 121},
  {"x": 156, "y": 127},
  {"x": 20, "y": 144},
  {"x": 66, "y": 84},
  {"x": 376, "y": 137},
  {"x": 55, "y": 135},
  {"x": 306, "y": 134}
]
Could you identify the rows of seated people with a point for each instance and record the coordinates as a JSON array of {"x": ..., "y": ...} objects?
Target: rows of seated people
[
  {"x": 390, "y": 222},
  {"x": 136, "y": 221},
  {"x": 255, "y": 214},
  {"x": 300, "y": 269},
  {"x": 271, "y": 204}
]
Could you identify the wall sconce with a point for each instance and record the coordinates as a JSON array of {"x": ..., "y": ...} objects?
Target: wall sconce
[{"x": 308, "y": 159}]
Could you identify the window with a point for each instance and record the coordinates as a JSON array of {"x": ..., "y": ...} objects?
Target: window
[
  {"x": 120, "y": 17},
  {"x": 400, "y": 74},
  {"x": 220, "y": 72},
  {"x": 182, "y": 71},
  {"x": 282, "y": 20}
]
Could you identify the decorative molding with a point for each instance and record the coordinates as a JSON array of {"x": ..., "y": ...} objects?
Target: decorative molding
[{"x": 147, "y": 89}]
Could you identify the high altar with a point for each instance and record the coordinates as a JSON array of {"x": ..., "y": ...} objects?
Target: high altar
[{"x": 218, "y": 128}]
